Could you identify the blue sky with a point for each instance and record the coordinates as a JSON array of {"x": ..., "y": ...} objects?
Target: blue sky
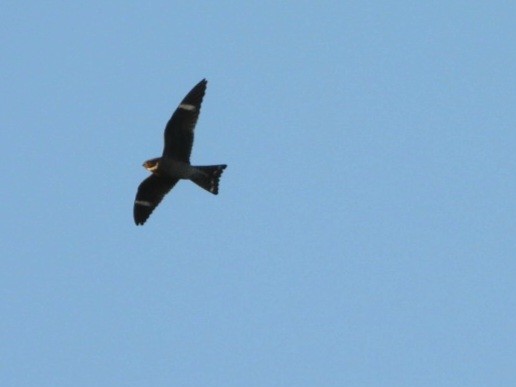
[{"x": 364, "y": 233}]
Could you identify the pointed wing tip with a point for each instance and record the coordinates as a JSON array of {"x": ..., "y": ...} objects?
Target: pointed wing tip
[
  {"x": 140, "y": 220},
  {"x": 142, "y": 214}
]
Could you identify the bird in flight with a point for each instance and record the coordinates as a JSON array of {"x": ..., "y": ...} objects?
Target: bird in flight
[{"x": 174, "y": 163}]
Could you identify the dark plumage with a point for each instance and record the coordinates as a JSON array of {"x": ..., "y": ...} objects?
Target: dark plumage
[{"x": 174, "y": 164}]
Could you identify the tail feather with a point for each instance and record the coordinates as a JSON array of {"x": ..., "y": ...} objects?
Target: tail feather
[{"x": 208, "y": 177}]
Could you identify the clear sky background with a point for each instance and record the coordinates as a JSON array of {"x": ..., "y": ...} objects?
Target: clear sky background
[{"x": 364, "y": 233}]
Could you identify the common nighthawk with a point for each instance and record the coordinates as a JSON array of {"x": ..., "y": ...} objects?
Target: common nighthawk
[{"x": 174, "y": 163}]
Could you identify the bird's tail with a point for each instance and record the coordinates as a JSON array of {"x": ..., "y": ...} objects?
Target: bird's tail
[{"x": 208, "y": 177}]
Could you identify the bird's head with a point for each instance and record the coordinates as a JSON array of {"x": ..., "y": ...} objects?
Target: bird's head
[{"x": 152, "y": 164}]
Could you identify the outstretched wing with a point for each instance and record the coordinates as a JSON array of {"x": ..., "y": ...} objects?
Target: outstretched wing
[
  {"x": 150, "y": 193},
  {"x": 179, "y": 132}
]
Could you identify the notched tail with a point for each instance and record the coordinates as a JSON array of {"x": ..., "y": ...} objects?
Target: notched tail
[{"x": 208, "y": 177}]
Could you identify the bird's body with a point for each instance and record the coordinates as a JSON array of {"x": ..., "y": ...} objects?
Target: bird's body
[
  {"x": 174, "y": 164},
  {"x": 169, "y": 167}
]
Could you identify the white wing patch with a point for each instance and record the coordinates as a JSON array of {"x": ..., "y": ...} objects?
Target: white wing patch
[
  {"x": 186, "y": 106},
  {"x": 143, "y": 203}
]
